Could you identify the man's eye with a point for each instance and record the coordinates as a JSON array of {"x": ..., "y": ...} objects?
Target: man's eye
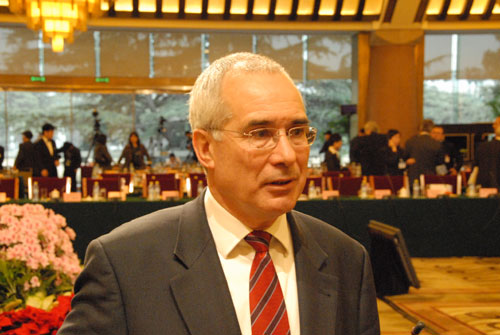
[
  {"x": 297, "y": 132},
  {"x": 261, "y": 133}
]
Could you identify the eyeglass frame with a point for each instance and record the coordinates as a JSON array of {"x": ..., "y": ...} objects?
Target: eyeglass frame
[{"x": 275, "y": 138}]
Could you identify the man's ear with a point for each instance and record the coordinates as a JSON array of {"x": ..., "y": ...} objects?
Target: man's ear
[{"x": 203, "y": 146}]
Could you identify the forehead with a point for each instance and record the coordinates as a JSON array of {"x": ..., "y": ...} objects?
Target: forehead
[{"x": 262, "y": 99}]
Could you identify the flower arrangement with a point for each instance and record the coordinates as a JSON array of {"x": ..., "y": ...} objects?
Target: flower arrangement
[{"x": 38, "y": 265}]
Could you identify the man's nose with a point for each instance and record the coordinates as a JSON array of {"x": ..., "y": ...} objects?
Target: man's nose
[{"x": 284, "y": 152}]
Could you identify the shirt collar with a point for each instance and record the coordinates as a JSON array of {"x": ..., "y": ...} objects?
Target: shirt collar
[{"x": 228, "y": 231}]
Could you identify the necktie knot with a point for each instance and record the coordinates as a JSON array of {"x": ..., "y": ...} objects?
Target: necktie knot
[{"x": 259, "y": 240}]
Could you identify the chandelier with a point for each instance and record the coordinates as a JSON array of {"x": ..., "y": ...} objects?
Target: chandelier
[{"x": 56, "y": 18}]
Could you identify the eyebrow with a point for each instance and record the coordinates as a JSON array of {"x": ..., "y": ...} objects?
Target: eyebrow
[{"x": 254, "y": 123}]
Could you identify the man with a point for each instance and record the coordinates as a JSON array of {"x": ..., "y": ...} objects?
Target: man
[
  {"x": 371, "y": 149},
  {"x": 453, "y": 160},
  {"x": 46, "y": 158},
  {"x": 25, "y": 160},
  {"x": 488, "y": 160},
  {"x": 72, "y": 162},
  {"x": 425, "y": 150},
  {"x": 332, "y": 156},
  {"x": 186, "y": 270},
  {"x": 327, "y": 142}
]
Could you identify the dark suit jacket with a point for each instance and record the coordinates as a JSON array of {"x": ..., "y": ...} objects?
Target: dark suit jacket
[
  {"x": 332, "y": 161},
  {"x": 487, "y": 158},
  {"x": 160, "y": 274},
  {"x": 372, "y": 154},
  {"x": 25, "y": 159},
  {"x": 43, "y": 158},
  {"x": 427, "y": 153}
]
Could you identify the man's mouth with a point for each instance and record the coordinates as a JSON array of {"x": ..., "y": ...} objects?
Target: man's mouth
[{"x": 281, "y": 182}]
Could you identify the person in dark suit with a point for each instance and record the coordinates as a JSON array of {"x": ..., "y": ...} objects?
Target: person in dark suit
[
  {"x": 397, "y": 159},
  {"x": 187, "y": 269},
  {"x": 487, "y": 158},
  {"x": 332, "y": 155},
  {"x": 371, "y": 150},
  {"x": 102, "y": 156},
  {"x": 452, "y": 158},
  {"x": 326, "y": 144},
  {"x": 72, "y": 162},
  {"x": 25, "y": 159},
  {"x": 425, "y": 150},
  {"x": 46, "y": 158}
]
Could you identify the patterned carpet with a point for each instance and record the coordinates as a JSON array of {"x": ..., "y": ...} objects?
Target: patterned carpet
[{"x": 458, "y": 296}]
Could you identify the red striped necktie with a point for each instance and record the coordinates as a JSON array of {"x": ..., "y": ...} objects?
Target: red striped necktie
[{"x": 267, "y": 306}]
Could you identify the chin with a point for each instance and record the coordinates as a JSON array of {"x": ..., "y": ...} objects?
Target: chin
[{"x": 280, "y": 205}]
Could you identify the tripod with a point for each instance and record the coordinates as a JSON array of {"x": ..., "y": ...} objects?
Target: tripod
[{"x": 97, "y": 132}]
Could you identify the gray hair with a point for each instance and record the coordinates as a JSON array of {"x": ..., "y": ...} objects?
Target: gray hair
[
  {"x": 427, "y": 125},
  {"x": 371, "y": 126},
  {"x": 206, "y": 106}
]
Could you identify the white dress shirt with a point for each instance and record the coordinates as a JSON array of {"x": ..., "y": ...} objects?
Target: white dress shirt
[
  {"x": 48, "y": 144},
  {"x": 236, "y": 257}
]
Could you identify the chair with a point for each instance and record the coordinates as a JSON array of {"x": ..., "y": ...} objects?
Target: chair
[
  {"x": 10, "y": 186},
  {"x": 86, "y": 171},
  {"x": 118, "y": 176},
  {"x": 167, "y": 182},
  {"x": 48, "y": 184},
  {"x": 349, "y": 186},
  {"x": 317, "y": 181},
  {"x": 330, "y": 180},
  {"x": 393, "y": 183},
  {"x": 194, "y": 179},
  {"x": 109, "y": 184}
]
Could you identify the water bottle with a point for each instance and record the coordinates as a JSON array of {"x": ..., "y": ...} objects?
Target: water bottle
[
  {"x": 95, "y": 191},
  {"x": 36, "y": 192},
  {"x": 416, "y": 189},
  {"x": 312, "y": 190},
  {"x": 200, "y": 187},
  {"x": 157, "y": 191},
  {"x": 151, "y": 191}
]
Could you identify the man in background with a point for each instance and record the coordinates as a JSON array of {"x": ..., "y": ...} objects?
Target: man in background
[
  {"x": 425, "y": 150},
  {"x": 46, "y": 158},
  {"x": 487, "y": 158},
  {"x": 72, "y": 162},
  {"x": 25, "y": 159},
  {"x": 372, "y": 150},
  {"x": 452, "y": 158},
  {"x": 205, "y": 267}
]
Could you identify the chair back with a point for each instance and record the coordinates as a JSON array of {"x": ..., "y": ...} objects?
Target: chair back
[
  {"x": 393, "y": 183},
  {"x": 10, "y": 186},
  {"x": 167, "y": 182},
  {"x": 349, "y": 186},
  {"x": 86, "y": 171},
  {"x": 330, "y": 180},
  {"x": 194, "y": 179},
  {"x": 109, "y": 184},
  {"x": 126, "y": 176},
  {"x": 51, "y": 183}
]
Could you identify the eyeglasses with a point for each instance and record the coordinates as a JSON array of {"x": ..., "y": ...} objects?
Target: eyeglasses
[{"x": 267, "y": 138}]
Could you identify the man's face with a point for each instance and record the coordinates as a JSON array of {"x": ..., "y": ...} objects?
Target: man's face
[
  {"x": 437, "y": 133},
  {"x": 49, "y": 134},
  {"x": 496, "y": 126},
  {"x": 337, "y": 145},
  {"x": 258, "y": 185}
]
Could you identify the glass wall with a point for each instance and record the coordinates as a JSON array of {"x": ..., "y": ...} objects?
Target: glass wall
[
  {"x": 320, "y": 64},
  {"x": 462, "y": 78}
]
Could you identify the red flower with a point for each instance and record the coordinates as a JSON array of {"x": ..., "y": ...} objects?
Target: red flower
[{"x": 34, "y": 321}]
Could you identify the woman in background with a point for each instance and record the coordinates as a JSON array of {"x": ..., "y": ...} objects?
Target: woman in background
[
  {"x": 134, "y": 153},
  {"x": 397, "y": 159}
]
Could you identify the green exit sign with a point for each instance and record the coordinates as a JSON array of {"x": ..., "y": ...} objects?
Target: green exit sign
[
  {"x": 102, "y": 80},
  {"x": 38, "y": 78}
]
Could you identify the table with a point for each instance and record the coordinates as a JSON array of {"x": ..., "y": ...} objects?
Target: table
[{"x": 431, "y": 227}]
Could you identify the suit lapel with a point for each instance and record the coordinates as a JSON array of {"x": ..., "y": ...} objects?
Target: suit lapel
[
  {"x": 317, "y": 291},
  {"x": 201, "y": 291}
]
